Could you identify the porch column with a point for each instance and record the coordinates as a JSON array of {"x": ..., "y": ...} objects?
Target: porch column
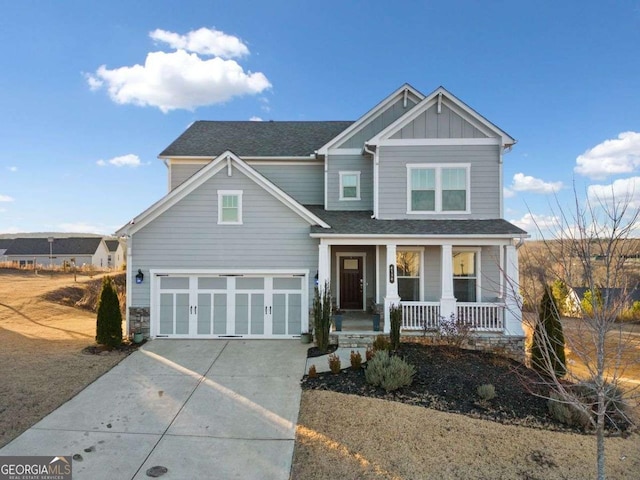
[
  {"x": 324, "y": 272},
  {"x": 513, "y": 300},
  {"x": 447, "y": 300},
  {"x": 391, "y": 293}
]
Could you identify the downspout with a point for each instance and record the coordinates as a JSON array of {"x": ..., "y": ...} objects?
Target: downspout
[
  {"x": 374, "y": 153},
  {"x": 129, "y": 287}
]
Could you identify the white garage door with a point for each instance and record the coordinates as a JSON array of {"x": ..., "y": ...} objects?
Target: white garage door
[{"x": 215, "y": 306}]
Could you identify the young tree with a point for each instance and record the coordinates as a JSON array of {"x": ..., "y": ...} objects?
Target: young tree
[
  {"x": 588, "y": 247},
  {"x": 547, "y": 351},
  {"x": 109, "y": 319},
  {"x": 322, "y": 316}
]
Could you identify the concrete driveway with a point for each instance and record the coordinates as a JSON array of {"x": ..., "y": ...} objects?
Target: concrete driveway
[{"x": 201, "y": 408}]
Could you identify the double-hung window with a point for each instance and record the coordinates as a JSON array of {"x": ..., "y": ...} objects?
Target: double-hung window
[
  {"x": 437, "y": 188},
  {"x": 349, "y": 185},
  {"x": 465, "y": 275},
  {"x": 408, "y": 265},
  {"x": 229, "y": 207}
]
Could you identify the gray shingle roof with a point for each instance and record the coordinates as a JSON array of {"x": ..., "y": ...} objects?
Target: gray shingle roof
[
  {"x": 112, "y": 245},
  {"x": 248, "y": 139},
  {"x": 5, "y": 242},
  {"x": 61, "y": 246},
  {"x": 351, "y": 223}
]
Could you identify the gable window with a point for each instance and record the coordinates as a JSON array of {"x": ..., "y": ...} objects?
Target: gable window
[
  {"x": 465, "y": 275},
  {"x": 409, "y": 267},
  {"x": 349, "y": 185},
  {"x": 229, "y": 207},
  {"x": 437, "y": 188}
]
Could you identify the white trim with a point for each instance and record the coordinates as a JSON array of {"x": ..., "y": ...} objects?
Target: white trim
[
  {"x": 420, "y": 250},
  {"x": 363, "y": 255},
  {"x": 376, "y": 183},
  {"x": 204, "y": 174},
  {"x": 478, "y": 267},
  {"x": 396, "y": 142},
  {"x": 345, "y": 151},
  {"x": 230, "y": 193},
  {"x": 438, "y": 167},
  {"x": 129, "y": 283},
  {"x": 453, "y": 103},
  {"x": 377, "y": 276},
  {"x": 326, "y": 181},
  {"x": 358, "y": 124},
  {"x": 342, "y": 198}
]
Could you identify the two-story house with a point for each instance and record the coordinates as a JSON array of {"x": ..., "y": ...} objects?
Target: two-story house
[{"x": 403, "y": 206}]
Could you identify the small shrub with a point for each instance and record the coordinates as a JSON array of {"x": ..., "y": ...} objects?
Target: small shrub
[
  {"x": 334, "y": 363},
  {"x": 381, "y": 343},
  {"x": 389, "y": 372},
  {"x": 395, "y": 314},
  {"x": 109, "y": 318},
  {"x": 453, "y": 331},
  {"x": 586, "y": 393},
  {"x": 486, "y": 392},
  {"x": 565, "y": 412},
  {"x": 369, "y": 353},
  {"x": 356, "y": 360},
  {"x": 547, "y": 350},
  {"x": 322, "y": 316},
  {"x": 312, "y": 371}
]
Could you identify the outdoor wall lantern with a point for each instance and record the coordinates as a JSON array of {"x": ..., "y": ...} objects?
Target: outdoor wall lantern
[
  {"x": 316, "y": 278},
  {"x": 139, "y": 276}
]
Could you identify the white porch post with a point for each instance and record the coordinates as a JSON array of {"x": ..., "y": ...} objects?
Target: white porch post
[
  {"x": 391, "y": 293},
  {"x": 324, "y": 271},
  {"x": 513, "y": 300},
  {"x": 447, "y": 300}
]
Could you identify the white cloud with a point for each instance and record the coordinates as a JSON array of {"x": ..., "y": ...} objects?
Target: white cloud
[
  {"x": 527, "y": 183},
  {"x": 12, "y": 169},
  {"x": 611, "y": 157},
  {"x": 532, "y": 222},
  {"x": 507, "y": 193},
  {"x": 623, "y": 190},
  {"x": 129, "y": 160},
  {"x": 255, "y": 119},
  {"x": 5, "y": 198},
  {"x": 205, "y": 41},
  {"x": 182, "y": 79}
]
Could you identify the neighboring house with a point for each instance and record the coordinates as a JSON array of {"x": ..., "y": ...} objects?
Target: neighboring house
[
  {"x": 116, "y": 256},
  {"x": 4, "y": 244},
  {"x": 617, "y": 297},
  {"x": 403, "y": 206},
  {"x": 24, "y": 252}
]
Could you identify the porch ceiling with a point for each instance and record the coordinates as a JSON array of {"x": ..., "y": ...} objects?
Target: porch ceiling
[{"x": 361, "y": 223}]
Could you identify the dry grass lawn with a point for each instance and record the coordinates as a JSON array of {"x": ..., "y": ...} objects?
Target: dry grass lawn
[
  {"x": 41, "y": 359},
  {"x": 351, "y": 437}
]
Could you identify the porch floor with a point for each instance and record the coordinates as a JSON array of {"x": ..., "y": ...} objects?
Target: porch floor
[{"x": 358, "y": 321}]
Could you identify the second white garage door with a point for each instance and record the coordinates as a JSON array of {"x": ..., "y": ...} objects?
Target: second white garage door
[{"x": 214, "y": 306}]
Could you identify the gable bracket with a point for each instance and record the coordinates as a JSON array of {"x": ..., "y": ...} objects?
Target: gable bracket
[
  {"x": 440, "y": 102},
  {"x": 229, "y": 172}
]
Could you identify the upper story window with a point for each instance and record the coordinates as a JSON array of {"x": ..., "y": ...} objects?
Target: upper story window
[
  {"x": 229, "y": 207},
  {"x": 437, "y": 188},
  {"x": 349, "y": 185}
]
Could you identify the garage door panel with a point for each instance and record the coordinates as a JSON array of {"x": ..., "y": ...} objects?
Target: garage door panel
[
  {"x": 204, "y": 313},
  {"x": 294, "y": 316},
  {"x": 220, "y": 314},
  {"x": 166, "y": 313},
  {"x": 242, "y": 314},
  {"x": 182, "y": 313},
  {"x": 279, "y": 313},
  {"x": 257, "y": 314}
]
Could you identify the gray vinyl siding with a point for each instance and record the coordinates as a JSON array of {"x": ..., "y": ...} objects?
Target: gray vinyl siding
[
  {"x": 485, "y": 178},
  {"x": 187, "y": 235},
  {"x": 351, "y": 163},
  {"x": 490, "y": 273},
  {"x": 377, "y": 124},
  {"x": 446, "y": 124},
  {"x": 305, "y": 183},
  {"x": 181, "y": 172},
  {"x": 432, "y": 273}
]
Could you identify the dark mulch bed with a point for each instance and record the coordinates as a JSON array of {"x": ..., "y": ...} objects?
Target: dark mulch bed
[
  {"x": 447, "y": 379},
  {"x": 316, "y": 352},
  {"x": 126, "y": 347}
]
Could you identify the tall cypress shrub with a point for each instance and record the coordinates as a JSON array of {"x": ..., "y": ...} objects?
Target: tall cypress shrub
[
  {"x": 109, "y": 320},
  {"x": 547, "y": 351},
  {"x": 322, "y": 316}
]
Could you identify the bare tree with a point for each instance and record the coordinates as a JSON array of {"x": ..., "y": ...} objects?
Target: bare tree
[{"x": 588, "y": 247}]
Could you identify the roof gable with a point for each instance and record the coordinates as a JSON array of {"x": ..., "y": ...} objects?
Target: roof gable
[
  {"x": 112, "y": 245},
  {"x": 59, "y": 246},
  {"x": 384, "y": 113},
  {"x": 226, "y": 160},
  {"x": 253, "y": 139},
  {"x": 441, "y": 115}
]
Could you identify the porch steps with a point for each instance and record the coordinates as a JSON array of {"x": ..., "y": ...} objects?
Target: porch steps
[{"x": 355, "y": 339}]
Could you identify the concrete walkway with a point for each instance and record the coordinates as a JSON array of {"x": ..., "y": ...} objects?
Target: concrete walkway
[{"x": 201, "y": 408}]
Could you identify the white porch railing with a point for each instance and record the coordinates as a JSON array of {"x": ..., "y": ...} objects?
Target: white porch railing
[
  {"x": 482, "y": 317},
  {"x": 420, "y": 315}
]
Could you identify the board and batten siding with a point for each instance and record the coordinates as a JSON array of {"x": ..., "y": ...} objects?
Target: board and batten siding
[
  {"x": 349, "y": 163},
  {"x": 305, "y": 183},
  {"x": 431, "y": 124},
  {"x": 485, "y": 178},
  {"x": 377, "y": 124},
  {"x": 187, "y": 235}
]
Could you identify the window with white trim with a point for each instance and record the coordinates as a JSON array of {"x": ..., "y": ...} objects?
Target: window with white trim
[
  {"x": 437, "y": 188},
  {"x": 229, "y": 207},
  {"x": 408, "y": 266},
  {"x": 466, "y": 268},
  {"x": 349, "y": 185}
]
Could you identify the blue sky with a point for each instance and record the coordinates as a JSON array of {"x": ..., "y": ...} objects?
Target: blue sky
[{"x": 81, "y": 126}]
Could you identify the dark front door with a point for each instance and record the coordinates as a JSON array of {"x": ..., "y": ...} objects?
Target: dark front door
[{"x": 351, "y": 283}]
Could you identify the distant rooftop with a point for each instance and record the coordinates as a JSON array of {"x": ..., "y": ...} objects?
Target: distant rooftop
[{"x": 60, "y": 246}]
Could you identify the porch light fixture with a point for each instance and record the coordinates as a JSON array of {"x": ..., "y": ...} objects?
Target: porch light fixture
[
  {"x": 316, "y": 277},
  {"x": 139, "y": 276}
]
